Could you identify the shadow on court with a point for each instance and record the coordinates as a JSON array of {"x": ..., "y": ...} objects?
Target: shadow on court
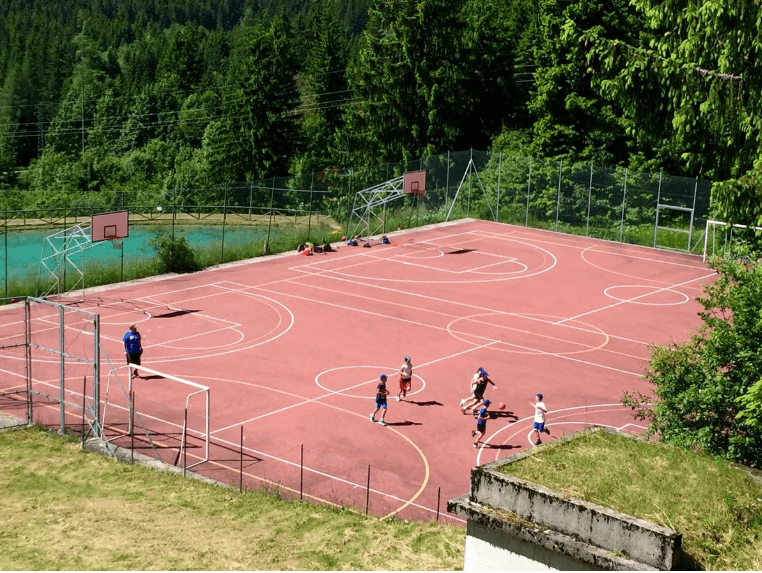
[
  {"x": 500, "y": 447},
  {"x": 427, "y": 403},
  {"x": 504, "y": 414},
  {"x": 405, "y": 423},
  {"x": 173, "y": 314}
]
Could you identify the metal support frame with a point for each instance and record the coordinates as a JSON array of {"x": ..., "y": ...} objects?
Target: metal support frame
[
  {"x": 57, "y": 252},
  {"x": 367, "y": 199},
  {"x": 471, "y": 165}
]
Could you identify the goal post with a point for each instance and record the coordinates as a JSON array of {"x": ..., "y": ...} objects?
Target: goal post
[
  {"x": 194, "y": 389},
  {"x": 727, "y": 235}
]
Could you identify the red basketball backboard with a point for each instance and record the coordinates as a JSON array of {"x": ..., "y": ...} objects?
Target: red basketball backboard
[
  {"x": 109, "y": 226},
  {"x": 415, "y": 182}
]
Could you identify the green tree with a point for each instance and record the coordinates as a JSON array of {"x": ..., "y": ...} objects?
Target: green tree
[
  {"x": 323, "y": 85},
  {"x": 706, "y": 391},
  {"x": 257, "y": 133},
  {"x": 572, "y": 118},
  {"x": 409, "y": 82},
  {"x": 489, "y": 50},
  {"x": 691, "y": 85}
]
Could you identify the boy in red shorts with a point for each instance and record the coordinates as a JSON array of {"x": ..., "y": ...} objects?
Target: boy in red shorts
[{"x": 406, "y": 378}]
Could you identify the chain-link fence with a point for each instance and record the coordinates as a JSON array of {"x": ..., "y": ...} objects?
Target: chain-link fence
[{"x": 244, "y": 220}]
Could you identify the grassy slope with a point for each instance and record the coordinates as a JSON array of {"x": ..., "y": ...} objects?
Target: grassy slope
[
  {"x": 64, "y": 508},
  {"x": 716, "y": 507}
]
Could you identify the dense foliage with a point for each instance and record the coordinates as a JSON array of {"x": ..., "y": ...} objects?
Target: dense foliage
[
  {"x": 708, "y": 391},
  {"x": 151, "y": 97}
]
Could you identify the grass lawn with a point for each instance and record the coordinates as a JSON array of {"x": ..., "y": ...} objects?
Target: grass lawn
[
  {"x": 68, "y": 509},
  {"x": 716, "y": 506}
]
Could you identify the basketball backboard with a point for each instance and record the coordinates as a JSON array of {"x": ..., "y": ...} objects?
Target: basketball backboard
[
  {"x": 415, "y": 182},
  {"x": 109, "y": 226}
]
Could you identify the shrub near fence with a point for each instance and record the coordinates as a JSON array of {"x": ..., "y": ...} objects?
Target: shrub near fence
[{"x": 609, "y": 203}]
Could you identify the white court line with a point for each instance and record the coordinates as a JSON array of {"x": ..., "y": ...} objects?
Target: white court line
[
  {"x": 335, "y": 392},
  {"x": 621, "y": 302},
  {"x": 314, "y": 268},
  {"x": 492, "y": 341},
  {"x": 608, "y": 243},
  {"x": 327, "y": 275},
  {"x": 253, "y": 451},
  {"x": 531, "y": 417},
  {"x": 334, "y": 478}
]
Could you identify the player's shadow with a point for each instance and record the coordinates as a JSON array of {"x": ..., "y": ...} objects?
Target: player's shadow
[
  {"x": 500, "y": 447},
  {"x": 152, "y": 377},
  {"x": 405, "y": 423},
  {"x": 426, "y": 403},
  {"x": 173, "y": 313},
  {"x": 504, "y": 414}
]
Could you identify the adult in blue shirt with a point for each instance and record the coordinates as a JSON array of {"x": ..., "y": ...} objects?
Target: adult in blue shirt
[{"x": 133, "y": 347}]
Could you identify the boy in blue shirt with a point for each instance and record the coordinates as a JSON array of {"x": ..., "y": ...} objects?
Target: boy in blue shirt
[
  {"x": 381, "y": 394},
  {"x": 481, "y": 423}
]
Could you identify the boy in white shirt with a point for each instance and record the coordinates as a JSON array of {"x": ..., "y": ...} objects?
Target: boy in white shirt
[
  {"x": 539, "y": 417},
  {"x": 406, "y": 375}
]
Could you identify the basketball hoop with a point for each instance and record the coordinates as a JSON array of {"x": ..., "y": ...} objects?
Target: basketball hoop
[{"x": 116, "y": 244}]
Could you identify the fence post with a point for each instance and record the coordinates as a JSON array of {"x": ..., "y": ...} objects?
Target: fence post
[
  {"x": 5, "y": 227},
  {"x": 589, "y": 197},
  {"x": 624, "y": 204},
  {"x": 184, "y": 445},
  {"x": 224, "y": 220},
  {"x": 658, "y": 201},
  {"x": 270, "y": 225},
  {"x": 309, "y": 216},
  {"x": 84, "y": 407},
  {"x": 240, "y": 473},
  {"x": 28, "y": 358},
  {"x": 132, "y": 421},
  {"x": 62, "y": 370},
  {"x": 529, "y": 187},
  {"x": 301, "y": 474},
  {"x": 693, "y": 211},
  {"x": 367, "y": 493},
  {"x": 497, "y": 206},
  {"x": 439, "y": 494},
  {"x": 558, "y": 195},
  {"x": 97, "y": 375},
  {"x": 447, "y": 180}
]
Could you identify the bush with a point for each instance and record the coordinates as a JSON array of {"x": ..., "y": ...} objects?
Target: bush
[{"x": 174, "y": 254}]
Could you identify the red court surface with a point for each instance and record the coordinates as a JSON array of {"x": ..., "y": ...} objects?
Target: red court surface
[{"x": 292, "y": 348}]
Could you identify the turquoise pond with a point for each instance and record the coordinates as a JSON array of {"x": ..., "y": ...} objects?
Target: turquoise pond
[{"x": 20, "y": 251}]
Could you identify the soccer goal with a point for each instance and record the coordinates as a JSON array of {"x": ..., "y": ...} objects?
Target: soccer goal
[{"x": 719, "y": 235}]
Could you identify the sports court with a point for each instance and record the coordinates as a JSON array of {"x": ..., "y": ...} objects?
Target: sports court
[{"x": 291, "y": 348}]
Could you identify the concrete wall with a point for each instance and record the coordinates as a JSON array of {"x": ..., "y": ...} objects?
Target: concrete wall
[
  {"x": 488, "y": 550},
  {"x": 497, "y": 539},
  {"x": 529, "y": 526},
  {"x": 600, "y": 526}
]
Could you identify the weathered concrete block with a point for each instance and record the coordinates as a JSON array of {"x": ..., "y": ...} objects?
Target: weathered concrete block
[
  {"x": 498, "y": 540},
  {"x": 640, "y": 540}
]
